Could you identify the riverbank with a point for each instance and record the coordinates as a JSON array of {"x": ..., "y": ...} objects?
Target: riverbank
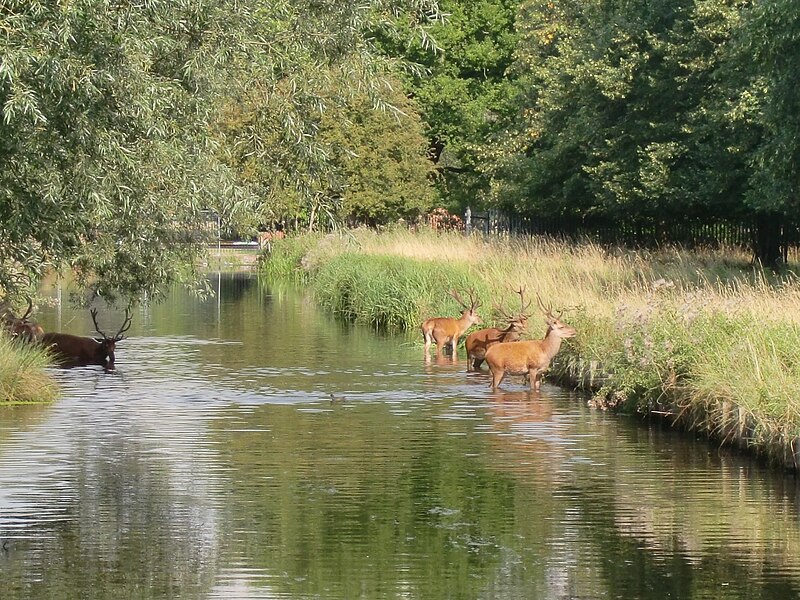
[
  {"x": 23, "y": 379},
  {"x": 703, "y": 339}
]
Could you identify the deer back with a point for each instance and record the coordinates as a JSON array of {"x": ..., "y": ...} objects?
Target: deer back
[
  {"x": 478, "y": 342},
  {"x": 517, "y": 357},
  {"x": 77, "y": 350}
]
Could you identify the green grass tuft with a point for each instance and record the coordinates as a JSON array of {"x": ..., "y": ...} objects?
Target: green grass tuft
[{"x": 22, "y": 376}]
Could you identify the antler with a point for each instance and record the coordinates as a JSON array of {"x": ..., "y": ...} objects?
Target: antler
[
  {"x": 454, "y": 294},
  {"x": 93, "y": 312},
  {"x": 522, "y": 306},
  {"x": 547, "y": 310},
  {"x": 473, "y": 298},
  {"x": 29, "y": 311},
  {"x": 126, "y": 324},
  {"x": 474, "y": 302},
  {"x": 505, "y": 314}
]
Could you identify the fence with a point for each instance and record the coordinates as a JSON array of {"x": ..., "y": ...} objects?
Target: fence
[{"x": 691, "y": 233}]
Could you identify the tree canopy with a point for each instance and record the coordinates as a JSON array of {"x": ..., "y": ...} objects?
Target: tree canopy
[
  {"x": 108, "y": 117},
  {"x": 124, "y": 123},
  {"x": 639, "y": 111},
  {"x": 463, "y": 90}
]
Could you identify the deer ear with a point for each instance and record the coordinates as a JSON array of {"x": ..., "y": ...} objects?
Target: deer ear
[{"x": 99, "y": 340}]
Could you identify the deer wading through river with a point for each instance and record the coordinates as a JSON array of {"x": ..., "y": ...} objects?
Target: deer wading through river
[
  {"x": 478, "y": 342},
  {"x": 75, "y": 350},
  {"x": 532, "y": 357},
  {"x": 448, "y": 330}
]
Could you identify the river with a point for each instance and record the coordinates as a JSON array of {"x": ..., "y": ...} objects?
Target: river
[{"x": 214, "y": 463}]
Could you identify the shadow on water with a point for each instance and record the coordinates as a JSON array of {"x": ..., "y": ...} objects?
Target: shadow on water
[{"x": 215, "y": 464}]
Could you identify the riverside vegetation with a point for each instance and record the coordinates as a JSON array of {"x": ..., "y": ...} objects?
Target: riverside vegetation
[
  {"x": 703, "y": 338},
  {"x": 23, "y": 379}
]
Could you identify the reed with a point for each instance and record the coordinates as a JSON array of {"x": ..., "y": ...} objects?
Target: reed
[
  {"x": 701, "y": 335},
  {"x": 22, "y": 376},
  {"x": 389, "y": 292},
  {"x": 285, "y": 257}
]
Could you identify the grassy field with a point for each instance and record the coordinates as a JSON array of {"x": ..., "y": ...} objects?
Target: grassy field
[{"x": 703, "y": 338}]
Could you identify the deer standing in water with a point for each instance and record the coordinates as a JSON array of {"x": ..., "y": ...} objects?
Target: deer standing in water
[
  {"x": 75, "y": 350},
  {"x": 478, "y": 342},
  {"x": 20, "y": 327},
  {"x": 448, "y": 330},
  {"x": 530, "y": 358}
]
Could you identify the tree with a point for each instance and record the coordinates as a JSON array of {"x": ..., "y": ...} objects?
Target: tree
[
  {"x": 637, "y": 112},
  {"x": 105, "y": 139},
  {"x": 767, "y": 102},
  {"x": 462, "y": 90},
  {"x": 381, "y": 160}
]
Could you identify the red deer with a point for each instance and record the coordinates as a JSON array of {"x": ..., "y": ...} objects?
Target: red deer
[
  {"x": 447, "y": 330},
  {"x": 20, "y": 327},
  {"x": 530, "y": 358},
  {"x": 478, "y": 342},
  {"x": 75, "y": 350}
]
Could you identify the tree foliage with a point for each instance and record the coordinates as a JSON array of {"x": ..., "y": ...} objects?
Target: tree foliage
[
  {"x": 653, "y": 111},
  {"x": 124, "y": 122},
  {"x": 106, "y": 132},
  {"x": 381, "y": 162},
  {"x": 462, "y": 90}
]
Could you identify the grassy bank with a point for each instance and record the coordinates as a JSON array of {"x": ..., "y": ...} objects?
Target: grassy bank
[
  {"x": 22, "y": 376},
  {"x": 701, "y": 337}
]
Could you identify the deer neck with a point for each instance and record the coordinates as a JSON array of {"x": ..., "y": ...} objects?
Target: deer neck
[
  {"x": 464, "y": 323},
  {"x": 551, "y": 343},
  {"x": 508, "y": 334}
]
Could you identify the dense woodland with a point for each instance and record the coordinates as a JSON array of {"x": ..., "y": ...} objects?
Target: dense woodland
[{"x": 125, "y": 123}]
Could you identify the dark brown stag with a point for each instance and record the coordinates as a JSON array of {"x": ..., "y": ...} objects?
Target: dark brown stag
[
  {"x": 21, "y": 328},
  {"x": 478, "y": 342},
  {"x": 75, "y": 350}
]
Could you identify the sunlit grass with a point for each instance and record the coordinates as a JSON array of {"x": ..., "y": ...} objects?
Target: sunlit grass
[
  {"x": 658, "y": 331},
  {"x": 22, "y": 376}
]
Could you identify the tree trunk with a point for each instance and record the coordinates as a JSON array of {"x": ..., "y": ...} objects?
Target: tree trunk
[{"x": 769, "y": 243}]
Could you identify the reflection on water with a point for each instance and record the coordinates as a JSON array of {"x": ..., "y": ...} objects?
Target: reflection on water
[{"x": 214, "y": 464}]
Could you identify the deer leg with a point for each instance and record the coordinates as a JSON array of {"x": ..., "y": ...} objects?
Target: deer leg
[
  {"x": 497, "y": 377},
  {"x": 428, "y": 339},
  {"x": 453, "y": 344},
  {"x": 532, "y": 378},
  {"x": 477, "y": 365}
]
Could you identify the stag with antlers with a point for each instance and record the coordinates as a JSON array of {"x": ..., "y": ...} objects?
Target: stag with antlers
[
  {"x": 478, "y": 342},
  {"x": 530, "y": 358},
  {"x": 448, "y": 330},
  {"x": 21, "y": 328},
  {"x": 74, "y": 350}
]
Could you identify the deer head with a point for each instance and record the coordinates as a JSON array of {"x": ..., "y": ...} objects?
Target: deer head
[
  {"x": 108, "y": 344},
  {"x": 517, "y": 321}
]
